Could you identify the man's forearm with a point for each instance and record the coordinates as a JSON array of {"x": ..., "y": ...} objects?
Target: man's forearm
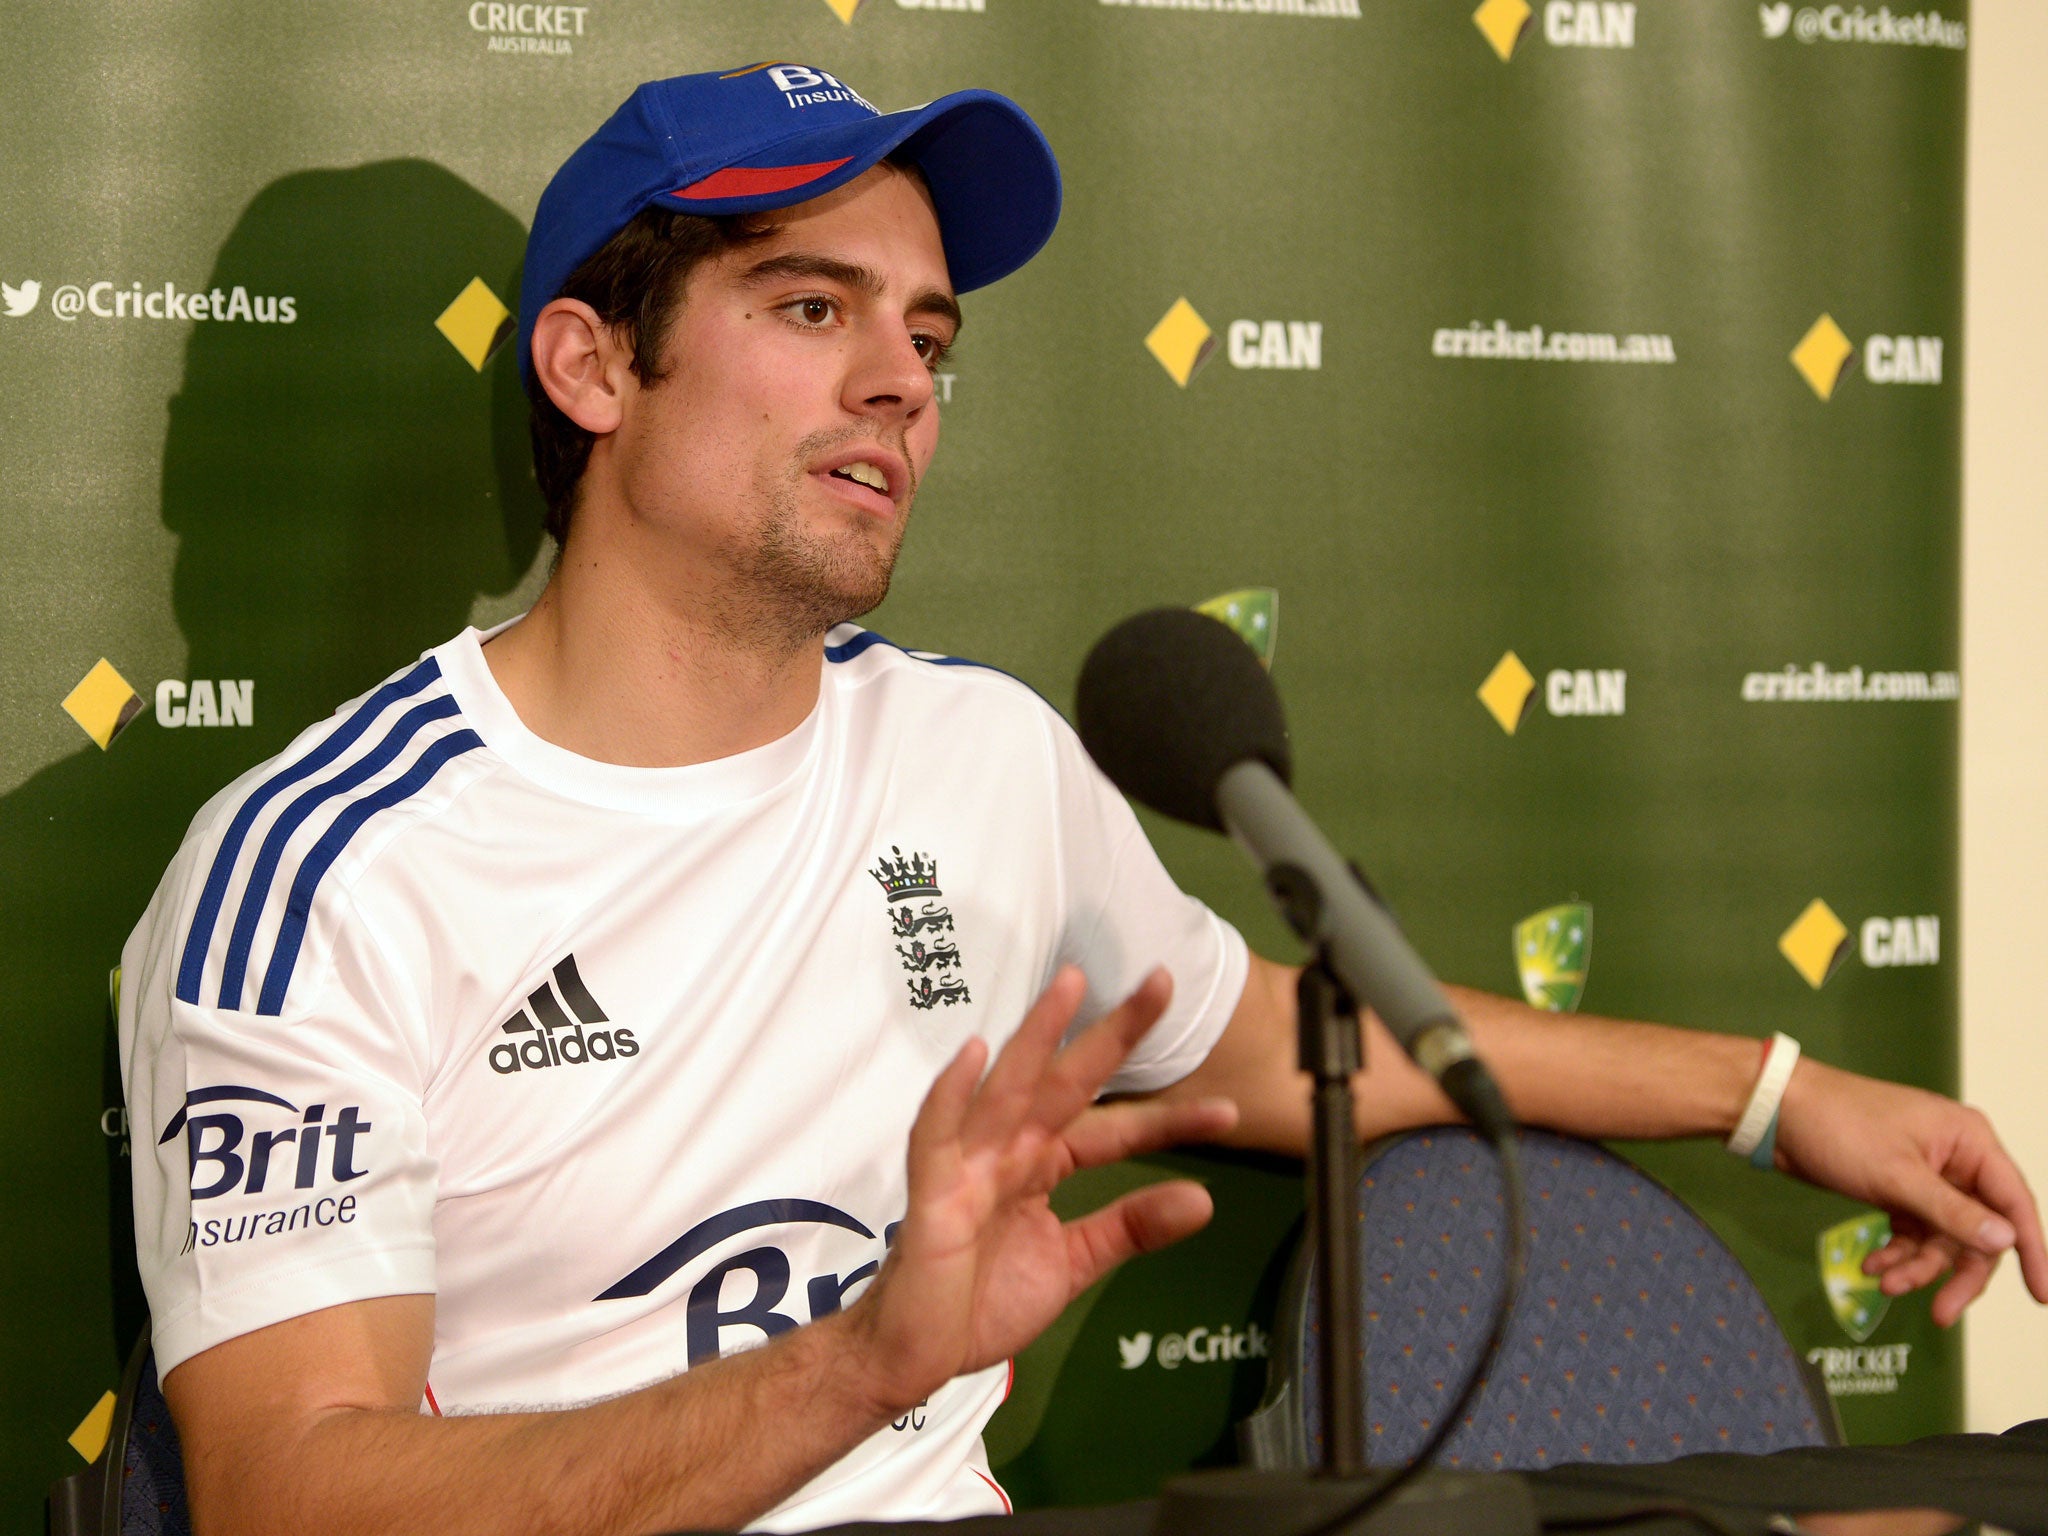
[
  {"x": 715, "y": 1447},
  {"x": 1955, "y": 1195},
  {"x": 1586, "y": 1076},
  {"x": 1607, "y": 1077}
]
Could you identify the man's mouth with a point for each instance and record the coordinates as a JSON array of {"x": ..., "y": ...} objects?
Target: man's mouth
[{"x": 864, "y": 473}]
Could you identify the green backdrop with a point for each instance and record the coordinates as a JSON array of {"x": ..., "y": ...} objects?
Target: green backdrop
[{"x": 1347, "y": 210}]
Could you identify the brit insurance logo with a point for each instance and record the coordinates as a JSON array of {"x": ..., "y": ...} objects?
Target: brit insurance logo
[
  {"x": 1182, "y": 342},
  {"x": 801, "y": 86},
  {"x": 761, "y": 1305},
  {"x": 1505, "y": 24},
  {"x": 534, "y": 31},
  {"x": 105, "y": 299},
  {"x": 922, "y": 929},
  {"x": 241, "y": 1140},
  {"x": 1858, "y": 24},
  {"x": 559, "y": 1027},
  {"x": 1825, "y": 356},
  {"x": 1510, "y": 691}
]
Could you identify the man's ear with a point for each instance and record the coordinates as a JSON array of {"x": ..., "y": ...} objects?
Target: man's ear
[{"x": 582, "y": 364}]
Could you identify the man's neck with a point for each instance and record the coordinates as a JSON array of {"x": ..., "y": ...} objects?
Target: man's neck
[{"x": 608, "y": 667}]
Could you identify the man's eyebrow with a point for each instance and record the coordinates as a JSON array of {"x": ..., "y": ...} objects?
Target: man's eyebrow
[{"x": 862, "y": 279}]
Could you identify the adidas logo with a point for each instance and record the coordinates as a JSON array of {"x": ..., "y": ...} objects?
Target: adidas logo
[{"x": 560, "y": 1040}]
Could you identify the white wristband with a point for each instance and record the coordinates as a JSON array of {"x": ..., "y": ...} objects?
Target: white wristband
[{"x": 1764, "y": 1099}]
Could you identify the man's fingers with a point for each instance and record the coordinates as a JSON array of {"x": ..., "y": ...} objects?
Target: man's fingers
[
  {"x": 2034, "y": 1260},
  {"x": 1140, "y": 1222},
  {"x": 1947, "y": 1210},
  {"x": 2004, "y": 1188},
  {"x": 1973, "y": 1273},
  {"x": 1011, "y": 1087},
  {"x": 1926, "y": 1264},
  {"x": 1082, "y": 1068},
  {"x": 945, "y": 1103},
  {"x": 1891, "y": 1255},
  {"x": 1117, "y": 1131}
]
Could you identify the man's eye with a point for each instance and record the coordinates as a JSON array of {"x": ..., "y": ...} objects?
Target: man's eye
[{"x": 817, "y": 311}]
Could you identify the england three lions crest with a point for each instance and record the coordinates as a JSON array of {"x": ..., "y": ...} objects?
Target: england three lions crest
[{"x": 921, "y": 925}]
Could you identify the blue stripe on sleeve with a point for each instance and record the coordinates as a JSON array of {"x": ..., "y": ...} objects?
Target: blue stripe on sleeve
[
  {"x": 200, "y": 938},
  {"x": 257, "y": 891},
  {"x": 292, "y": 932}
]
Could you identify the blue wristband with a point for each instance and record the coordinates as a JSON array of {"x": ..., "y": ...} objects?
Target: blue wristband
[{"x": 1763, "y": 1157}]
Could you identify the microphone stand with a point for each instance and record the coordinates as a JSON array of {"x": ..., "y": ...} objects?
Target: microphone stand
[
  {"x": 1337, "y": 1498},
  {"x": 1332, "y": 1053}
]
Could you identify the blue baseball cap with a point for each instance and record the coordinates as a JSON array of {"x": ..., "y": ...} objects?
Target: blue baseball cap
[{"x": 777, "y": 133}]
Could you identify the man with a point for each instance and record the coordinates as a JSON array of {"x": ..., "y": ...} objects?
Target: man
[{"x": 533, "y": 1046}]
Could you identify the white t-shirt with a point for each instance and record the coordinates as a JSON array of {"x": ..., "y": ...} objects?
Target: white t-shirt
[{"x": 619, "y": 1063}]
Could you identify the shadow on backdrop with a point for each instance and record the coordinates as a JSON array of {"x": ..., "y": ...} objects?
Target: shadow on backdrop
[{"x": 343, "y": 488}]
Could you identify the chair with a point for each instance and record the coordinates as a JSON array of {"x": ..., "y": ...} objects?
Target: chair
[
  {"x": 137, "y": 1486},
  {"x": 1637, "y": 1336}
]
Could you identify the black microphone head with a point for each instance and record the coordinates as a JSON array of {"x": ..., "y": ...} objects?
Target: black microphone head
[{"x": 1171, "y": 698}]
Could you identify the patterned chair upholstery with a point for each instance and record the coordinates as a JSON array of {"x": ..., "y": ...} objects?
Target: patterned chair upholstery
[
  {"x": 137, "y": 1487},
  {"x": 1637, "y": 1337},
  {"x": 152, "y": 1465}
]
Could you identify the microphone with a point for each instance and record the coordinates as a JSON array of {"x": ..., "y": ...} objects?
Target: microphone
[{"x": 1181, "y": 716}]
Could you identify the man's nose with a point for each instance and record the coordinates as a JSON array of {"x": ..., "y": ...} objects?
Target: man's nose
[{"x": 889, "y": 375}]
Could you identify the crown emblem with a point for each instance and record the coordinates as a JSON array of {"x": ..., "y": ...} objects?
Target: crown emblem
[{"x": 901, "y": 878}]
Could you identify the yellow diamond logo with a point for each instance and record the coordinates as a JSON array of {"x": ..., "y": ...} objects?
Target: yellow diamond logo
[
  {"x": 1503, "y": 23},
  {"x": 1823, "y": 356},
  {"x": 476, "y": 324},
  {"x": 103, "y": 703},
  {"x": 90, "y": 1438},
  {"x": 1182, "y": 341},
  {"x": 1507, "y": 691},
  {"x": 844, "y": 9},
  {"x": 1816, "y": 944}
]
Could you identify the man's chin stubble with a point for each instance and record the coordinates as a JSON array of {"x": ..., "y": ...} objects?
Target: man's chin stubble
[{"x": 795, "y": 584}]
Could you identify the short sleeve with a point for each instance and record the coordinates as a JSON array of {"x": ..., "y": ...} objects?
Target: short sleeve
[
  {"x": 1125, "y": 914},
  {"x": 281, "y": 1162}
]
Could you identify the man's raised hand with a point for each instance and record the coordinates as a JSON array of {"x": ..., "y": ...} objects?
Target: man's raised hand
[
  {"x": 981, "y": 1265},
  {"x": 1956, "y": 1198}
]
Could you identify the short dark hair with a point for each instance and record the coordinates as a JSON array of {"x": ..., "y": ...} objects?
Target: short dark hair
[{"x": 635, "y": 282}]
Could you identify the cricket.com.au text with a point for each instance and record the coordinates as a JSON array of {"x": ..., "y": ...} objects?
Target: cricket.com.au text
[
  {"x": 1534, "y": 344},
  {"x": 1822, "y": 684}
]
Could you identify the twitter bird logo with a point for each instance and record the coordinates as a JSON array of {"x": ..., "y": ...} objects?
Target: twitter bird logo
[
  {"x": 21, "y": 300},
  {"x": 1134, "y": 1351},
  {"x": 1777, "y": 19}
]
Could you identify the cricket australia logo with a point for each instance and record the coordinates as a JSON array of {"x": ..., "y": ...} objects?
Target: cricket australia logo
[{"x": 922, "y": 928}]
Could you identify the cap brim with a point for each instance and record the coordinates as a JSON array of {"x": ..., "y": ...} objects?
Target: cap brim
[{"x": 994, "y": 182}]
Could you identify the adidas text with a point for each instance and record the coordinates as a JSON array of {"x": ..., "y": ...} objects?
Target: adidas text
[
  {"x": 567, "y": 1048},
  {"x": 566, "y": 1035}
]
